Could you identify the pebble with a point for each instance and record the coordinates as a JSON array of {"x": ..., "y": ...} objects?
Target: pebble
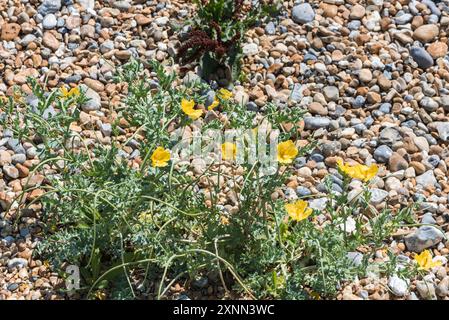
[
  {"x": 382, "y": 153},
  {"x": 13, "y": 286},
  {"x": 424, "y": 237},
  {"x": 428, "y": 219},
  {"x": 429, "y": 104},
  {"x": 365, "y": 75},
  {"x": 49, "y": 6},
  {"x": 303, "y": 13},
  {"x": 5, "y": 158},
  {"x": 18, "y": 158},
  {"x": 9, "y": 31},
  {"x": 250, "y": 49},
  {"x": 437, "y": 49},
  {"x": 142, "y": 20},
  {"x": 106, "y": 129},
  {"x": 50, "y": 41},
  {"x": 426, "y": 179},
  {"x": 318, "y": 108},
  {"x": 421, "y": 57},
  {"x": 122, "y": 5},
  {"x": 357, "y": 12},
  {"x": 270, "y": 28},
  {"x": 426, "y": 33},
  {"x": 378, "y": 196},
  {"x": 26, "y": 40},
  {"x": 392, "y": 183},
  {"x": 93, "y": 84},
  {"x": 426, "y": 290},
  {"x": 389, "y": 136},
  {"x": 17, "y": 263},
  {"x": 396, "y": 162},
  {"x": 443, "y": 130},
  {"x": 49, "y": 21},
  {"x": 11, "y": 171},
  {"x": 318, "y": 204},
  {"x": 403, "y": 18},
  {"x": 398, "y": 286},
  {"x": 94, "y": 101},
  {"x": 442, "y": 289},
  {"x": 316, "y": 122},
  {"x": 161, "y": 21},
  {"x": 303, "y": 192},
  {"x": 331, "y": 148},
  {"x": 331, "y": 93}
]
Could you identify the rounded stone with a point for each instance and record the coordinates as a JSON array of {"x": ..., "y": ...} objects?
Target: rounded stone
[
  {"x": 421, "y": 57},
  {"x": 382, "y": 153},
  {"x": 437, "y": 49},
  {"x": 303, "y": 13},
  {"x": 423, "y": 238},
  {"x": 426, "y": 33},
  {"x": 9, "y": 31},
  {"x": 398, "y": 286},
  {"x": 365, "y": 75},
  {"x": 331, "y": 93},
  {"x": 357, "y": 12},
  {"x": 49, "y": 21}
]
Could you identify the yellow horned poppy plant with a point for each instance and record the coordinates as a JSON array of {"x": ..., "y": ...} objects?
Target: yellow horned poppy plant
[
  {"x": 213, "y": 105},
  {"x": 298, "y": 210},
  {"x": 17, "y": 97},
  {"x": 187, "y": 107},
  {"x": 287, "y": 151},
  {"x": 160, "y": 157},
  {"x": 228, "y": 151},
  {"x": 425, "y": 262},
  {"x": 70, "y": 93},
  {"x": 358, "y": 171},
  {"x": 224, "y": 220},
  {"x": 224, "y": 94}
]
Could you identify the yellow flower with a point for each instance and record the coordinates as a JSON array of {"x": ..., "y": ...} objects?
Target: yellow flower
[
  {"x": 228, "y": 151},
  {"x": 359, "y": 171},
  {"x": 100, "y": 295},
  {"x": 213, "y": 105},
  {"x": 287, "y": 151},
  {"x": 315, "y": 295},
  {"x": 224, "y": 94},
  {"x": 298, "y": 210},
  {"x": 187, "y": 107},
  {"x": 69, "y": 93},
  {"x": 145, "y": 217},
  {"x": 224, "y": 220},
  {"x": 17, "y": 97},
  {"x": 425, "y": 262},
  {"x": 160, "y": 157}
]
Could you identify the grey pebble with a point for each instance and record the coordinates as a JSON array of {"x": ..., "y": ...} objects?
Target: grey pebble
[
  {"x": 49, "y": 21},
  {"x": 17, "y": 263},
  {"x": 303, "y": 13},
  {"x": 421, "y": 57},
  {"x": 423, "y": 238},
  {"x": 382, "y": 153}
]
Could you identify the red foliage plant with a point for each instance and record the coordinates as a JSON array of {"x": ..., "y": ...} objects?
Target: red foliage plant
[{"x": 200, "y": 42}]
